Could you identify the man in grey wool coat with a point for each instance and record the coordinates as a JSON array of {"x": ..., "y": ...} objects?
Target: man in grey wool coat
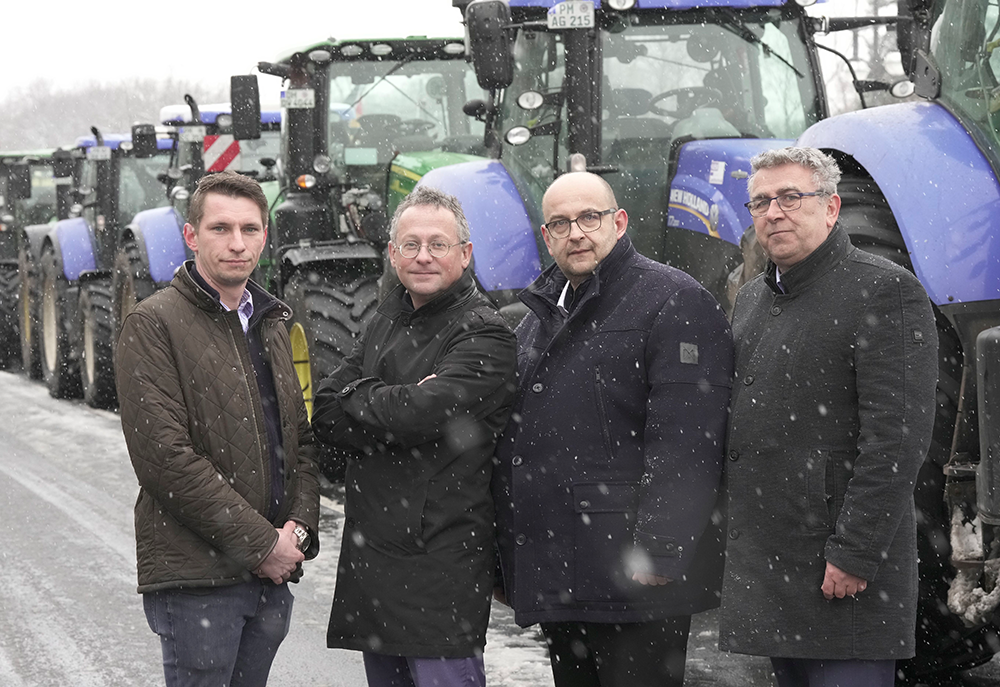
[{"x": 831, "y": 417}]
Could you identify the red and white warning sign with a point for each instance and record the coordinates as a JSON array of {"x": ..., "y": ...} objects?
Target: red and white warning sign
[{"x": 221, "y": 152}]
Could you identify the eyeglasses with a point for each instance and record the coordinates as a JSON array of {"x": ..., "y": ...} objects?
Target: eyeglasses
[
  {"x": 786, "y": 201},
  {"x": 437, "y": 249},
  {"x": 588, "y": 222}
]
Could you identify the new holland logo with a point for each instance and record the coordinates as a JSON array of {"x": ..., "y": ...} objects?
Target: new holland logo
[{"x": 221, "y": 152}]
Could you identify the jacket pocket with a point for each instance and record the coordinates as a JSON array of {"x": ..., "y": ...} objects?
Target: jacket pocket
[
  {"x": 602, "y": 412},
  {"x": 818, "y": 494},
  {"x": 388, "y": 517},
  {"x": 604, "y": 515}
]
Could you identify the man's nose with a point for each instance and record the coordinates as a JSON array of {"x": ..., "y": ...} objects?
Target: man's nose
[
  {"x": 774, "y": 211},
  {"x": 236, "y": 242},
  {"x": 575, "y": 231}
]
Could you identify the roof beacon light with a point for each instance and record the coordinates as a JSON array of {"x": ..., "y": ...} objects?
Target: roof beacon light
[
  {"x": 381, "y": 49},
  {"x": 622, "y": 5}
]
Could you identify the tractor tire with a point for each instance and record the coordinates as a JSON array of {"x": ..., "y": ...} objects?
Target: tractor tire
[
  {"x": 945, "y": 646},
  {"x": 28, "y": 316},
  {"x": 329, "y": 312},
  {"x": 130, "y": 284},
  {"x": 60, "y": 367},
  {"x": 333, "y": 312},
  {"x": 97, "y": 371},
  {"x": 10, "y": 287}
]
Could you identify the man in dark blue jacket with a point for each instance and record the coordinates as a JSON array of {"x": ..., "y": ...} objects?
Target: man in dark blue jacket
[{"x": 608, "y": 473}]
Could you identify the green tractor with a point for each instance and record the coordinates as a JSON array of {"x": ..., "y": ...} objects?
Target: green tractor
[
  {"x": 31, "y": 193},
  {"x": 363, "y": 121}
]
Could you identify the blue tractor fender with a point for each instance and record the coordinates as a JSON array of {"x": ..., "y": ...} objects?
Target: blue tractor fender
[
  {"x": 73, "y": 242},
  {"x": 940, "y": 187},
  {"x": 159, "y": 233},
  {"x": 503, "y": 239},
  {"x": 709, "y": 187}
]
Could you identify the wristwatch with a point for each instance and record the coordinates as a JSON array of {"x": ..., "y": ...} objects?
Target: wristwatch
[{"x": 303, "y": 537}]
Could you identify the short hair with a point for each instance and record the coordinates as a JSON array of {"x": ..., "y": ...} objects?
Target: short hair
[
  {"x": 430, "y": 196},
  {"x": 825, "y": 172},
  {"x": 226, "y": 183}
]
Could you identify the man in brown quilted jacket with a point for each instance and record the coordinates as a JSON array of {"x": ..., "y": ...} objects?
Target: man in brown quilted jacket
[{"x": 218, "y": 435}]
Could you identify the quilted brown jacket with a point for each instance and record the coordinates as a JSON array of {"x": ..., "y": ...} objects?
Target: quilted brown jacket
[{"x": 194, "y": 426}]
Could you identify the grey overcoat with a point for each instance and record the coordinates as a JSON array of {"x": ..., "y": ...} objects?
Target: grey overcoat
[{"x": 832, "y": 412}]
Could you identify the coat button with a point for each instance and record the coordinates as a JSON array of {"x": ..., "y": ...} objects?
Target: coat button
[
  {"x": 734, "y": 455},
  {"x": 516, "y": 460},
  {"x": 520, "y": 539},
  {"x": 537, "y": 387},
  {"x": 346, "y": 390},
  {"x": 748, "y": 380},
  {"x": 584, "y": 505},
  {"x": 776, "y": 310},
  {"x": 668, "y": 547},
  {"x": 734, "y": 534}
]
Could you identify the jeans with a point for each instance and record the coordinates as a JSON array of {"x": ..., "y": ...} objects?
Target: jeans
[
  {"x": 219, "y": 636},
  {"x": 407, "y": 671}
]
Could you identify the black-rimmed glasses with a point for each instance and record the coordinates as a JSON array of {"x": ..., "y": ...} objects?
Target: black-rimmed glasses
[
  {"x": 786, "y": 201},
  {"x": 588, "y": 222}
]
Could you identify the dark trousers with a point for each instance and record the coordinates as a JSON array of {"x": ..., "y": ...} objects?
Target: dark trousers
[
  {"x": 219, "y": 637},
  {"x": 649, "y": 654},
  {"x": 812, "y": 672},
  {"x": 407, "y": 671}
]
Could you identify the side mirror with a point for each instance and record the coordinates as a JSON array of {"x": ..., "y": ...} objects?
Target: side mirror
[
  {"x": 19, "y": 180},
  {"x": 489, "y": 43},
  {"x": 144, "y": 140},
  {"x": 244, "y": 94}
]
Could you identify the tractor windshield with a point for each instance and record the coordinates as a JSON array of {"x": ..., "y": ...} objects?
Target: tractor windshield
[
  {"x": 662, "y": 82},
  {"x": 966, "y": 45},
  {"x": 380, "y": 108},
  {"x": 138, "y": 187}
]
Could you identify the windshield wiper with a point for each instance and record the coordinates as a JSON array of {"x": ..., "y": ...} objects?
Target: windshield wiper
[
  {"x": 744, "y": 32},
  {"x": 395, "y": 68}
]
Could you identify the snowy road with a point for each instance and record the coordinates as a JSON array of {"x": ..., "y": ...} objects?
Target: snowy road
[{"x": 69, "y": 614}]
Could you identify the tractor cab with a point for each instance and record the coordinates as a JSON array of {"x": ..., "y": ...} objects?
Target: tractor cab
[{"x": 628, "y": 89}]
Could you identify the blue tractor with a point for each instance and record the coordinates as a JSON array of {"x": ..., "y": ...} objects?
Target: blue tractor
[
  {"x": 66, "y": 266},
  {"x": 667, "y": 99},
  {"x": 922, "y": 187}
]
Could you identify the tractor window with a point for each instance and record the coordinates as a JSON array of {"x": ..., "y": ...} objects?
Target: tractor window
[
  {"x": 966, "y": 44},
  {"x": 138, "y": 187},
  {"x": 670, "y": 82},
  {"x": 387, "y": 107},
  {"x": 41, "y": 206}
]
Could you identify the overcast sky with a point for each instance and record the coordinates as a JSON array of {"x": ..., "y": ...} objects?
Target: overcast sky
[{"x": 72, "y": 42}]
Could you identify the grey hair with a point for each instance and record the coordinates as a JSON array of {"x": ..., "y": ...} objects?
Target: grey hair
[
  {"x": 825, "y": 172},
  {"x": 427, "y": 195}
]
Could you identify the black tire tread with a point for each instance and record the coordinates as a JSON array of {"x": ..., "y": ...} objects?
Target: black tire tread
[
  {"x": 63, "y": 376},
  {"x": 95, "y": 314},
  {"x": 10, "y": 337}
]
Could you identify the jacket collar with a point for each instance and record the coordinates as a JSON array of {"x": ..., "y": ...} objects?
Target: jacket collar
[
  {"x": 398, "y": 302},
  {"x": 544, "y": 292},
  {"x": 830, "y": 253},
  {"x": 194, "y": 287}
]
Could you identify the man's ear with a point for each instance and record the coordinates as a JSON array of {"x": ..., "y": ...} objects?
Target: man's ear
[{"x": 191, "y": 237}]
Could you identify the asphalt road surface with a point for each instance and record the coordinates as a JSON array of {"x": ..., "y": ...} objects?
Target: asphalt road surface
[{"x": 69, "y": 614}]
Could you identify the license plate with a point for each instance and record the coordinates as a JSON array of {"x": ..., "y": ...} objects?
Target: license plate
[
  {"x": 99, "y": 153},
  {"x": 299, "y": 99},
  {"x": 572, "y": 14},
  {"x": 192, "y": 134}
]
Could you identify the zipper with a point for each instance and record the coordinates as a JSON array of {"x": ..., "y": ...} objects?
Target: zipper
[
  {"x": 266, "y": 474},
  {"x": 602, "y": 410}
]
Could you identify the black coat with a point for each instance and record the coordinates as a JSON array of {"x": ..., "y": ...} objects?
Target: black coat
[
  {"x": 832, "y": 413},
  {"x": 614, "y": 452},
  {"x": 416, "y": 567}
]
